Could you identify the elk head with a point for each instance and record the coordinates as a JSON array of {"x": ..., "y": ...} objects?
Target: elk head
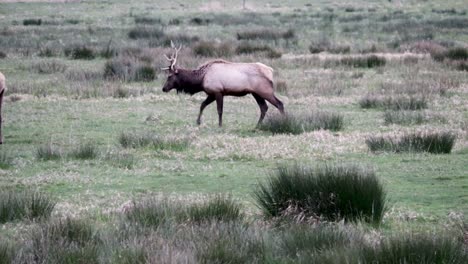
[{"x": 172, "y": 81}]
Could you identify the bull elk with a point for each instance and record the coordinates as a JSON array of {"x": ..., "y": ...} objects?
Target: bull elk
[
  {"x": 2, "y": 91},
  {"x": 218, "y": 78}
]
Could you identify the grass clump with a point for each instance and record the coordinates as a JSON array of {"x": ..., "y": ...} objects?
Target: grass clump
[
  {"x": 6, "y": 161},
  {"x": 432, "y": 142},
  {"x": 208, "y": 49},
  {"x": 332, "y": 192},
  {"x": 147, "y": 20},
  {"x": 404, "y": 117},
  {"x": 49, "y": 67},
  {"x": 138, "y": 140},
  {"x": 218, "y": 208},
  {"x": 20, "y": 205},
  {"x": 266, "y": 34},
  {"x": 151, "y": 212},
  {"x": 85, "y": 151},
  {"x": 80, "y": 52},
  {"x": 247, "y": 48},
  {"x": 122, "y": 160},
  {"x": 289, "y": 124},
  {"x": 145, "y": 33},
  {"x": 129, "y": 69},
  {"x": 363, "y": 61},
  {"x": 66, "y": 241},
  {"x": 416, "y": 248},
  {"x": 32, "y": 22},
  {"x": 7, "y": 252},
  {"x": 303, "y": 241},
  {"x": 48, "y": 152},
  {"x": 414, "y": 102}
]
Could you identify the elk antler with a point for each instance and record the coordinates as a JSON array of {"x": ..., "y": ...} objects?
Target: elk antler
[{"x": 173, "y": 58}]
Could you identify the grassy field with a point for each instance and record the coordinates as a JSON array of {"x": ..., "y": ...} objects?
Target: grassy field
[{"x": 323, "y": 54}]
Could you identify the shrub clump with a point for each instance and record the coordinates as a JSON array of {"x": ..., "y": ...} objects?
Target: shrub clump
[
  {"x": 145, "y": 33},
  {"x": 49, "y": 67},
  {"x": 20, "y": 205},
  {"x": 247, "y": 48},
  {"x": 362, "y": 61},
  {"x": 332, "y": 192},
  {"x": 289, "y": 124},
  {"x": 218, "y": 208},
  {"x": 266, "y": 34},
  {"x": 85, "y": 151},
  {"x": 432, "y": 142},
  {"x": 48, "y": 152},
  {"x": 404, "y": 117},
  {"x": 208, "y": 49},
  {"x": 414, "y": 102},
  {"x": 138, "y": 140},
  {"x": 129, "y": 69},
  {"x": 66, "y": 241},
  {"x": 32, "y": 22},
  {"x": 80, "y": 53}
]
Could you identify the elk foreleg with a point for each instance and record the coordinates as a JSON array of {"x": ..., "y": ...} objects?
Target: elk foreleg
[
  {"x": 205, "y": 103},
  {"x": 263, "y": 107},
  {"x": 219, "y": 104}
]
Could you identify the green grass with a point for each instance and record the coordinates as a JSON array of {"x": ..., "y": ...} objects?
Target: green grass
[
  {"x": 291, "y": 124},
  {"x": 331, "y": 192},
  {"x": 28, "y": 204},
  {"x": 217, "y": 208}
]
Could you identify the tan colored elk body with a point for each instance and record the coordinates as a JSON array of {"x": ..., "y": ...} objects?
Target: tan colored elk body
[
  {"x": 2, "y": 91},
  {"x": 218, "y": 78}
]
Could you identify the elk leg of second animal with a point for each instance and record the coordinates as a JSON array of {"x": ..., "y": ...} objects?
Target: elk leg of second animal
[
  {"x": 219, "y": 104},
  {"x": 205, "y": 103},
  {"x": 1, "y": 121},
  {"x": 263, "y": 107}
]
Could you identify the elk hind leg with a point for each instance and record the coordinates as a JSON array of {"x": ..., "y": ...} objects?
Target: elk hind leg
[
  {"x": 1, "y": 121},
  {"x": 219, "y": 104},
  {"x": 276, "y": 102},
  {"x": 263, "y": 107}
]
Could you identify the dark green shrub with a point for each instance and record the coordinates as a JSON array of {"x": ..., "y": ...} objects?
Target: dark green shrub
[
  {"x": 404, "y": 117},
  {"x": 416, "y": 248},
  {"x": 364, "y": 61},
  {"x": 332, "y": 192},
  {"x": 18, "y": 205},
  {"x": 32, "y": 22},
  {"x": 48, "y": 152},
  {"x": 148, "y": 20},
  {"x": 80, "y": 53},
  {"x": 416, "y": 102},
  {"x": 129, "y": 69},
  {"x": 151, "y": 212},
  {"x": 208, "y": 49},
  {"x": 247, "y": 48},
  {"x": 49, "y": 67},
  {"x": 145, "y": 73},
  {"x": 457, "y": 53},
  {"x": 266, "y": 34},
  {"x": 2, "y": 55},
  {"x": 289, "y": 124},
  {"x": 432, "y": 142},
  {"x": 200, "y": 21},
  {"x": 175, "y": 22},
  {"x": 85, "y": 151},
  {"x": 145, "y": 33},
  {"x": 305, "y": 240},
  {"x": 218, "y": 208},
  {"x": 66, "y": 241},
  {"x": 7, "y": 252}
]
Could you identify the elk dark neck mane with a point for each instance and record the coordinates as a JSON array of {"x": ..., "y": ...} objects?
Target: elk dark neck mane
[{"x": 191, "y": 81}]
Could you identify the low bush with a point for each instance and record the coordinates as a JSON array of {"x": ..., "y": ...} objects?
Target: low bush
[
  {"x": 332, "y": 192},
  {"x": 85, "y": 151},
  {"x": 145, "y": 33},
  {"x": 404, "y": 117},
  {"x": 48, "y": 152},
  {"x": 266, "y": 34},
  {"x": 66, "y": 241},
  {"x": 365, "y": 61},
  {"x": 217, "y": 208},
  {"x": 49, "y": 67},
  {"x": 80, "y": 52},
  {"x": 289, "y": 124},
  {"x": 208, "y": 49},
  {"x": 200, "y": 21},
  {"x": 247, "y": 48},
  {"x": 416, "y": 102},
  {"x": 32, "y": 22},
  {"x": 147, "y": 20},
  {"x": 432, "y": 142},
  {"x": 18, "y": 205},
  {"x": 129, "y": 69},
  {"x": 145, "y": 139}
]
